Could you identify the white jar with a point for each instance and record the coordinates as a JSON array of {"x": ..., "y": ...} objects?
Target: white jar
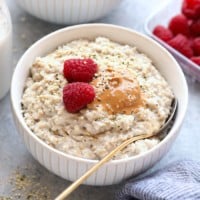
[{"x": 5, "y": 49}]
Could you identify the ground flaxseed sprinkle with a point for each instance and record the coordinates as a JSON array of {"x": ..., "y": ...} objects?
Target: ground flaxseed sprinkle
[{"x": 25, "y": 187}]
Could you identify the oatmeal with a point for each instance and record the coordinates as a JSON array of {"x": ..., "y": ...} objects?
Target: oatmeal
[{"x": 132, "y": 98}]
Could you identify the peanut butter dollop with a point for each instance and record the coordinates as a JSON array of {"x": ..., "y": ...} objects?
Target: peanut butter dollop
[{"x": 117, "y": 92}]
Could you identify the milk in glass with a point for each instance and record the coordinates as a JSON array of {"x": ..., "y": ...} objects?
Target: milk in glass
[{"x": 5, "y": 49}]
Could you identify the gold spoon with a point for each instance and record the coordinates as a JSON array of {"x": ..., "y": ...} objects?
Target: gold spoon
[{"x": 74, "y": 185}]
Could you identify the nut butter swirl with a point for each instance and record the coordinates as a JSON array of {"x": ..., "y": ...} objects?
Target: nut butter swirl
[{"x": 117, "y": 92}]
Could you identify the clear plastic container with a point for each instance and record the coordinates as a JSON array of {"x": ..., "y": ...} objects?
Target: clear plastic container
[
  {"x": 162, "y": 17},
  {"x": 5, "y": 49}
]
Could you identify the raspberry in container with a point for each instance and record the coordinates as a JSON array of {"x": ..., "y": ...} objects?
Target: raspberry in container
[{"x": 162, "y": 17}]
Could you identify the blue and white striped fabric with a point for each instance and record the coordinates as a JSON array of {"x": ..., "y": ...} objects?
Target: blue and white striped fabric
[{"x": 180, "y": 180}]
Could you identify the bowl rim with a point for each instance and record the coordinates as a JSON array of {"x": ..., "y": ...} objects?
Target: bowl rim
[{"x": 173, "y": 131}]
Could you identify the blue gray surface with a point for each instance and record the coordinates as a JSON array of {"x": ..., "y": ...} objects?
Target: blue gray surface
[{"x": 14, "y": 157}]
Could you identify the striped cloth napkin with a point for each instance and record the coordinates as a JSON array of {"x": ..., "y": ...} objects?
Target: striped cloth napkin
[{"x": 180, "y": 180}]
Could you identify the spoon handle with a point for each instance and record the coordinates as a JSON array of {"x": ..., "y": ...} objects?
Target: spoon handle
[{"x": 74, "y": 185}]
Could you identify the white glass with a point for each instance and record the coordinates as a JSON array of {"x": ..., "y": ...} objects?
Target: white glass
[{"x": 5, "y": 49}]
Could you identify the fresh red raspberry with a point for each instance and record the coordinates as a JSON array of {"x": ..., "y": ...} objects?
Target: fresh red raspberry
[
  {"x": 163, "y": 33},
  {"x": 81, "y": 70},
  {"x": 77, "y": 95},
  {"x": 196, "y": 46},
  {"x": 179, "y": 24},
  {"x": 191, "y": 8},
  {"x": 181, "y": 44},
  {"x": 195, "y": 28},
  {"x": 196, "y": 60}
]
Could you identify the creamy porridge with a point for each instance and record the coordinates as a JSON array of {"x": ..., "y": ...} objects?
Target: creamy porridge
[{"x": 132, "y": 98}]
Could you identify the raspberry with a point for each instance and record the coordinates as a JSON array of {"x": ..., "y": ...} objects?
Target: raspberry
[
  {"x": 181, "y": 44},
  {"x": 179, "y": 24},
  {"x": 196, "y": 59},
  {"x": 77, "y": 95},
  {"x": 195, "y": 28},
  {"x": 162, "y": 33},
  {"x": 191, "y": 8},
  {"x": 81, "y": 70},
  {"x": 196, "y": 46}
]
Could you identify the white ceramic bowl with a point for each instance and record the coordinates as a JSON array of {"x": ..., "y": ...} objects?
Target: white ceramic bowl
[
  {"x": 68, "y": 11},
  {"x": 70, "y": 167}
]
